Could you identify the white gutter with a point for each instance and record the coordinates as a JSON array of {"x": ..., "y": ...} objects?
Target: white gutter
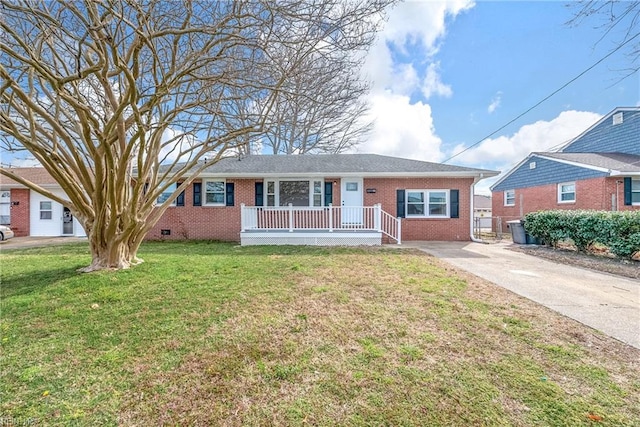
[
  {"x": 471, "y": 197},
  {"x": 258, "y": 175}
]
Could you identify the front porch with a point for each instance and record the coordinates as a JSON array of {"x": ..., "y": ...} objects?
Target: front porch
[{"x": 321, "y": 226}]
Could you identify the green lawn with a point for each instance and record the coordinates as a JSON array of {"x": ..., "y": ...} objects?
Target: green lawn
[{"x": 213, "y": 334}]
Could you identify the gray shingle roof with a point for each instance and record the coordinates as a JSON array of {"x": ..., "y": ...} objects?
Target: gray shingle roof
[
  {"x": 336, "y": 164},
  {"x": 614, "y": 161}
]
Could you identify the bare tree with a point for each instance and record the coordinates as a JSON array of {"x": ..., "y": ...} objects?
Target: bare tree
[
  {"x": 618, "y": 20},
  {"x": 120, "y": 100},
  {"x": 329, "y": 117}
]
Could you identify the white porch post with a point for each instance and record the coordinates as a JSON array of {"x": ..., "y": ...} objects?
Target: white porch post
[
  {"x": 330, "y": 217},
  {"x": 377, "y": 224},
  {"x": 243, "y": 219},
  {"x": 290, "y": 218},
  {"x": 399, "y": 230}
]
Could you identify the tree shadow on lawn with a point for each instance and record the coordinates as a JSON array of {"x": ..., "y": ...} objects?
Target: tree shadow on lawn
[
  {"x": 45, "y": 266},
  {"x": 36, "y": 281}
]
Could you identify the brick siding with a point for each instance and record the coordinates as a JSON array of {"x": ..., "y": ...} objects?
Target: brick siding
[
  {"x": 205, "y": 222},
  {"x": 20, "y": 212},
  {"x": 595, "y": 193},
  {"x": 223, "y": 223},
  {"x": 445, "y": 229}
]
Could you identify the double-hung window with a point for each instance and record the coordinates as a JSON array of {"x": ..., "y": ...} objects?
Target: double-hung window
[
  {"x": 5, "y": 207},
  {"x": 567, "y": 192},
  {"x": 46, "y": 210},
  {"x": 510, "y": 198},
  {"x": 635, "y": 191},
  {"x": 214, "y": 193},
  {"x": 166, "y": 194},
  {"x": 271, "y": 193},
  {"x": 428, "y": 203}
]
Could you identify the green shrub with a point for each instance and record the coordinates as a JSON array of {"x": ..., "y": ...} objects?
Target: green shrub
[{"x": 619, "y": 231}]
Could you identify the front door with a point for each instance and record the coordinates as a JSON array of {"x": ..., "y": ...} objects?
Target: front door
[
  {"x": 351, "y": 193},
  {"x": 67, "y": 222}
]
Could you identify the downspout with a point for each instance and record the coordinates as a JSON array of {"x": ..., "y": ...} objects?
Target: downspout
[{"x": 471, "y": 190}]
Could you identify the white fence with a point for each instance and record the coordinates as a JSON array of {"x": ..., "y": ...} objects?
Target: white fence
[{"x": 327, "y": 218}]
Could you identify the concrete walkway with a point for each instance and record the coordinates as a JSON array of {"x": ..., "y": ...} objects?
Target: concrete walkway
[{"x": 605, "y": 302}]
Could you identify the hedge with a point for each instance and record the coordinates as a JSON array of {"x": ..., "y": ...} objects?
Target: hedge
[{"x": 619, "y": 231}]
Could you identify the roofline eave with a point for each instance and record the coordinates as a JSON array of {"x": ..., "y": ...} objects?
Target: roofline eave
[
  {"x": 574, "y": 163},
  {"x": 461, "y": 174},
  {"x": 623, "y": 173}
]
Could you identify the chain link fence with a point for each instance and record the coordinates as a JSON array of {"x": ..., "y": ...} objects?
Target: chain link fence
[{"x": 492, "y": 228}]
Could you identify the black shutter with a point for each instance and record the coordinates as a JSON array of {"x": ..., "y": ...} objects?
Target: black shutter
[
  {"x": 230, "y": 196},
  {"x": 180, "y": 198},
  {"x": 400, "y": 203},
  {"x": 328, "y": 192},
  {"x": 259, "y": 194},
  {"x": 627, "y": 191},
  {"x": 454, "y": 200},
  {"x": 197, "y": 194}
]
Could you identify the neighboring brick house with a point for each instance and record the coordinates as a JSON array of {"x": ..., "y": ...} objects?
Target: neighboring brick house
[
  {"x": 599, "y": 169},
  {"x": 309, "y": 199},
  {"x": 32, "y": 214}
]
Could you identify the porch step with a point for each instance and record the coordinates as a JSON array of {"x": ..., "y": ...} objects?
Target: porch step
[{"x": 311, "y": 238}]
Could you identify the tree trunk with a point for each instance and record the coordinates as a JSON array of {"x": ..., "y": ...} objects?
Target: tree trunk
[{"x": 116, "y": 254}]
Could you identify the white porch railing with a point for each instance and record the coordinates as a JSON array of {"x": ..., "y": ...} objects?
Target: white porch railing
[{"x": 327, "y": 218}]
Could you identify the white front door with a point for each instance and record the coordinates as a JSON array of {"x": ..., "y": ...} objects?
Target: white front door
[{"x": 351, "y": 192}]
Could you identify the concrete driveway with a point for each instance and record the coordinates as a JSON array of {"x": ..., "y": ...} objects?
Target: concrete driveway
[
  {"x": 602, "y": 301},
  {"x": 36, "y": 242}
]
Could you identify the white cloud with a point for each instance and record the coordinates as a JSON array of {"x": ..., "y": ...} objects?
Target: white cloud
[
  {"x": 504, "y": 152},
  {"x": 495, "y": 102},
  {"x": 421, "y": 21},
  {"x": 432, "y": 85},
  {"x": 402, "y": 129},
  {"x": 176, "y": 145},
  {"x": 405, "y": 79},
  {"x": 420, "y": 24}
]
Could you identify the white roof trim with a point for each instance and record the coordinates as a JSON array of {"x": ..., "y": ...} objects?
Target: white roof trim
[
  {"x": 554, "y": 159},
  {"x": 450, "y": 174},
  {"x": 512, "y": 170},
  {"x": 618, "y": 173},
  {"x": 16, "y": 185},
  {"x": 574, "y": 163}
]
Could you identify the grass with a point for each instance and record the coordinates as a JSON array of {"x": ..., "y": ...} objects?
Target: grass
[{"x": 214, "y": 334}]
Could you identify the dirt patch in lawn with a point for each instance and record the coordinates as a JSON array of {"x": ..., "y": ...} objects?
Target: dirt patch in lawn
[{"x": 598, "y": 262}]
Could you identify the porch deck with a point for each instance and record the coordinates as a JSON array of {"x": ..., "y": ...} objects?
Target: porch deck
[{"x": 321, "y": 226}]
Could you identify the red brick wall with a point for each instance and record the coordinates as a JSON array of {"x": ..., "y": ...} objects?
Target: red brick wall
[
  {"x": 223, "y": 223},
  {"x": 206, "y": 222},
  {"x": 20, "y": 212},
  {"x": 592, "y": 193},
  {"x": 445, "y": 229},
  {"x": 616, "y": 186}
]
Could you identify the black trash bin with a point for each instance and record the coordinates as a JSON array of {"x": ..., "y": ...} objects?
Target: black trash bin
[
  {"x": 517, "y": 232},
  {"x": 532, "y": 240}
]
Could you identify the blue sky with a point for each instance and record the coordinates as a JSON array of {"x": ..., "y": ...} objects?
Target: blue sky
[{"x": 447, "y": 74}]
